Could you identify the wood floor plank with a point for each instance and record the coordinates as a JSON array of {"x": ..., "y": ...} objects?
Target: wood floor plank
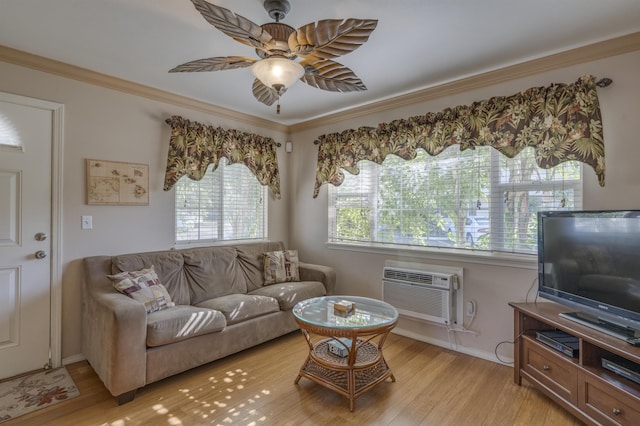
[{"x": 434, "y": 386}]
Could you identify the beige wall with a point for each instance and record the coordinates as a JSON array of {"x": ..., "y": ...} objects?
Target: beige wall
[
  {"x": 492, "y": 287},
  {"x": 105, "y": 124},
  {"x": 109, "y": 125}
]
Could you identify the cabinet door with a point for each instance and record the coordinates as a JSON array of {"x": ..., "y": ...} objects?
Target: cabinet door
[
  {"x": 553, "y": 370},
  {"x": 606, "y": 403}
]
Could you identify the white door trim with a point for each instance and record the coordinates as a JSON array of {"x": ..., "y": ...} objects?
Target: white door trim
[
  {"x": 57, "y": 144},
  {"x": 56, "y": 233}
]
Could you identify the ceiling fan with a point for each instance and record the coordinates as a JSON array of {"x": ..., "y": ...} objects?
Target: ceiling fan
[{"x": 278, "y": 46}]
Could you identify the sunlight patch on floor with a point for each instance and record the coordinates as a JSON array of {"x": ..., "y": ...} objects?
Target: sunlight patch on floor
[{"x": 214, "y": 403}]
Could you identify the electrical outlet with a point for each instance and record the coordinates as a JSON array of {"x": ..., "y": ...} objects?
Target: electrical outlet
[
  {"x": 87, "y": 222},
  {"x": 471, "y": 308}
]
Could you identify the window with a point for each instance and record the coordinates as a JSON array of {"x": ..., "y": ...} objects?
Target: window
[
  {"x": 474, "y": 200},
  {"x": 228, "y": 204},
  {"x": 8, "y": 133}
]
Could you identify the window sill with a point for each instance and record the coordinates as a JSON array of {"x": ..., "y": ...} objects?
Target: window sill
[
  {"x": 209, "y": 243},
  {"x": 522, "y": 261}
]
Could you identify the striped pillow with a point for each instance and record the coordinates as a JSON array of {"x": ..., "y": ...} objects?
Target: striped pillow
[
  {"x": 281, "y": 266},
  {"x": 145, "y": 287}
]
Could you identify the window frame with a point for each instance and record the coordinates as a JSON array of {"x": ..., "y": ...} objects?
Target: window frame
[
  {"x": 498, "y": 258},
  {"x": 200, "y": 242}
]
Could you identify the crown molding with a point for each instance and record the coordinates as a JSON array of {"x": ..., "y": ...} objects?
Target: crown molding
[
  {"x": 51, "y": 66},
  {"x": 592, "y": 52}
]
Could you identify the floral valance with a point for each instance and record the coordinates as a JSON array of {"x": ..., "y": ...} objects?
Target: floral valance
[
  {"x": 562, "y": 122},
  {"x": 194, "y": 146}
]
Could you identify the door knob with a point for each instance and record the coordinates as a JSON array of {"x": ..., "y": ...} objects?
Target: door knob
[
  {"x": 40, "y": 236},
  {"x": 41, "y": 254}
]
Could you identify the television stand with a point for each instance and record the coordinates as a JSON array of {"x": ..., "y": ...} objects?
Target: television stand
[
  {"x": 615, "y": 330},
  {"x": 581, "y": 384}
]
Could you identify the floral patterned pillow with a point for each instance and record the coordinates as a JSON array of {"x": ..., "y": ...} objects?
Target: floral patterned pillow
[
  {"x": 281, "y": 266},
  {"x": 145, "y": 287}
]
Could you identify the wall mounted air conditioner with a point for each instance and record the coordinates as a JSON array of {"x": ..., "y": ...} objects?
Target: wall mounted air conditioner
[{"x": 429, "y": 292}]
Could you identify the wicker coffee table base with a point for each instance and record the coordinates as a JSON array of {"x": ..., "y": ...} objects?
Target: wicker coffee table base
[{"x": 345, "y": 375}]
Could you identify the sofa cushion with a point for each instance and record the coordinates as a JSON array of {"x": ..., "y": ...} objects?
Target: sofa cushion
[
  {"x": 251, "y": 261},
  {"x": 168, "y": 266},
  {"x": 290, "y": 293},
  {"x": 213, "y": 272},
  {"x": 143, "y": 286},
  {"x": 281, "y": 266},
  {"x": 182, "y": 322},
  {"x": 241, "y": 307}
]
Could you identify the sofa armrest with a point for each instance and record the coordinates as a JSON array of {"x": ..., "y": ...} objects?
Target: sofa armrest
[
  {"x": 325, "y": 274},
  {"x": 114, "y": 329}
]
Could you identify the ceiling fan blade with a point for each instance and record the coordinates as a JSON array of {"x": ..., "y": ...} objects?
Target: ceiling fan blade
[
  {"x": 331, "y": 76},
  {"x": 264, "y": 94},
  {"x": 235, "y": 26},
  {"x": 330, "y": 38},
  {"x": 218, "y": 63}
]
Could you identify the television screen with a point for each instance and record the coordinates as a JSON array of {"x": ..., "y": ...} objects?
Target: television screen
[{"x": 590, "y": 261}]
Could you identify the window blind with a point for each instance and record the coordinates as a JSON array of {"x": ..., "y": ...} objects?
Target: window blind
[
  {"x": 227, "y": 204},
  {"x": 476, "y": 199}
]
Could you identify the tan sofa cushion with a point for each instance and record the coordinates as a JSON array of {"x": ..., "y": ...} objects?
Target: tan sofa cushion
[
  {"x": 289, "y": 293},
  {"x": 168, "y": 266},
  {"x": 241, "y": 307},
  {"x": 182, "y": 322},
  {"x": 251, "y": 260},
  {"x": 213, "y": 272}
]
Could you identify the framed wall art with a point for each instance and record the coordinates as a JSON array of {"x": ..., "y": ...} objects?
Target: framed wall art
[{"x": 112, "y": 183}]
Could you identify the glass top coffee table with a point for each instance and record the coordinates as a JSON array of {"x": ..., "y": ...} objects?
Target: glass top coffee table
[{"x": 345, "y": 349}]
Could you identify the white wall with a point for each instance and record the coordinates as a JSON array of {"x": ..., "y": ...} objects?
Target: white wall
[
  {"x": 109, "y": 125},
  {"x": 492, "y": 287}
]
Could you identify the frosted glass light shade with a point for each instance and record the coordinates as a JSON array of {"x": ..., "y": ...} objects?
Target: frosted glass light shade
[{"x": 276, "y": 71}]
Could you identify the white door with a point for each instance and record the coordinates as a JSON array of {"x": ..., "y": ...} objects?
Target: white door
[{"x": 26, "y": 132}]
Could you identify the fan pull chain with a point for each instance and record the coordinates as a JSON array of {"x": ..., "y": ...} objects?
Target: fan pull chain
[
  {"x": 278, "y": 106},
  {"x": 477, "y": 172},
  {"x": 563, "y": 202}
]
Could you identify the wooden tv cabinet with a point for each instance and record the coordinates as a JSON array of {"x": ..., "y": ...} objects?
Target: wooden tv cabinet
[{"x": 581, "y": 385}]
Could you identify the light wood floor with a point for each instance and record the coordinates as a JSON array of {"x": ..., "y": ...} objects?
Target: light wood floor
[{"x": 434, "y": 386}]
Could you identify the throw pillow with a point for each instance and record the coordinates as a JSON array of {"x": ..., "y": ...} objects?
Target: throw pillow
[
  {"x": 281, "y": 266},
  {"x": 145, "y": 287}
]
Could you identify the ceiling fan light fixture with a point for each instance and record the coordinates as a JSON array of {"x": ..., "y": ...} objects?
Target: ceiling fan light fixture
[{"x": 277, "y": 72}]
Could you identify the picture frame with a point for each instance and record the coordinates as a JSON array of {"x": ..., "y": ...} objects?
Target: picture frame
[{"x": 117, "y": 183}]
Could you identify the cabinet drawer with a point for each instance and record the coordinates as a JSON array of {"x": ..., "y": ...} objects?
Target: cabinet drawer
[
  {"x": 606, "y": 403},
  {"x": 560, "y": 375}
]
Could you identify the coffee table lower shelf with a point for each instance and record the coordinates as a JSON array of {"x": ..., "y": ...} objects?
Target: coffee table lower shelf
[{"x": 334, "y": 372}]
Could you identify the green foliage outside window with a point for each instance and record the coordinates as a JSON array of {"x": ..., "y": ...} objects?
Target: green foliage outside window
[{"x": 476, "y": 199}]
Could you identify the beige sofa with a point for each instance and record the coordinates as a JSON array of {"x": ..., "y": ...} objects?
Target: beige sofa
[{"x": 221, "y": 307}]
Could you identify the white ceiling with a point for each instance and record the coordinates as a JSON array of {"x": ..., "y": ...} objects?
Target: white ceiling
[{"x": 417, "y": 43}]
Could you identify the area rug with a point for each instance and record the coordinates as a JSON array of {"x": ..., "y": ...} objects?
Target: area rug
[{"x": 33, "y": 392}]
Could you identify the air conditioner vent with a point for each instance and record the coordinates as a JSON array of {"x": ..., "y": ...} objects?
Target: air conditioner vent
[
  {"x": 408, "y": 276},
  {"x": 429, "y": 292}
]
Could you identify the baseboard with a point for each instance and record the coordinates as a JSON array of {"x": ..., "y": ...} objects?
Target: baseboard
[
  {"x": 415, "y": 336},
  {"x": 73, "y": 358},
  {"x": 458, "y": 348}
]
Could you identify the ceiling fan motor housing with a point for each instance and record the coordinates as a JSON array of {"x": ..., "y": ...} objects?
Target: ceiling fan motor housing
[
  {"x": 280, "y": 33},
  {"x": 277, "y": 9}
]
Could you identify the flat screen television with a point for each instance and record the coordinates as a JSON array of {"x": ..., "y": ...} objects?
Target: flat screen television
[{"x": 590, "y": 261}]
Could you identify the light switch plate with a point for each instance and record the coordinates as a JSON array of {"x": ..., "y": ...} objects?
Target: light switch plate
[{"x": 87, "y": 222}]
